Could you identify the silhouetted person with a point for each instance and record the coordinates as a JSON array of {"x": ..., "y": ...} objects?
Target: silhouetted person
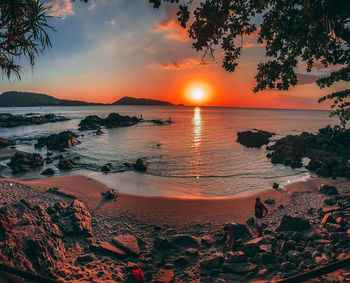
[
  {"x": 260, "y": 212},
  {"x": 232, "y": 231}
]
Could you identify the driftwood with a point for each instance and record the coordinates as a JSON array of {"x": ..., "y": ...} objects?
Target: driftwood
[
  {"x": 27, "y": 275},
  {"x": 317, "y": 272}
]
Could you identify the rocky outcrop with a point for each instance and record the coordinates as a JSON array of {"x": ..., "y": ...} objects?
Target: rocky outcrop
[
  {"x": 24, "y": 162},
  {"x": 128, "y": 243},
  {"x": 290, "y": 223},
  {"x": 65, "y": 164},
  {"x": 328, "y": 151},
  {"x": 328, "y": 190},
  {"x": 140, "y": 165},
  {"x": 5, "y": 142},
  {"x": 114, "y": 120},
  {"x": 255, "y": 138},
  {"x": 60, "y": 141},
  {"x": 48, "y": 172},
  {"x": 8, "y": 120}
]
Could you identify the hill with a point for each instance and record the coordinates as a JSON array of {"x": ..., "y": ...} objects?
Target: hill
[
  {"x": 126, "y": 100},
  {"x": 27, "y": 99}
]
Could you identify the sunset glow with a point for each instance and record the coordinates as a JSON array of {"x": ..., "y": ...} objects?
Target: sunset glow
[{"x": 198, "y": 93}]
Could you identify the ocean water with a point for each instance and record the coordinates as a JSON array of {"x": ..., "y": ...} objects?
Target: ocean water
[{"x": 198, "y": 154}]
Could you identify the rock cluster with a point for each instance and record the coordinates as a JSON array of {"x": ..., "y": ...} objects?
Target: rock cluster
[
  {"x": 255, "y": 138},
  {"x": 140, "y": 165},
  {"x": 328, "y": 151},
  {"x": 5, "y": 142},
  {"x": 24, "y": 162},
  {"x": 60, "y": 141},
  {"x": 8, "y": 120},
  {"x": 114, "y": 120}
]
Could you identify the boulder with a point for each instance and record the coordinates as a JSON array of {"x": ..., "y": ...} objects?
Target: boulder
[
  {"x": 128, "y": 243},
  {"x": 328, "y": 218},
  {"x": 114, "y": 120},
  {"x": 326, "y": 210},
  {"x": 270, "y": 201},
  {"x": 287, "y": 246},
  {"x": 92, "y": 122},
  {"x": 254, "y": 138},
  {"x": 24, "y": 162},
  {"x": 48, "y": 172},
  {"x": 251, "y": 247},
  {"x": 290, "y": 223},
  {"x": 164, "y": 276},
  {"x": 238, "y": 256},
  {"x": 212, "y": 262},
  {"x": 109, "y": 249},
  {"x": 110, "y": 194},
  {"x": 250, "y": 221},
  {"x": 60, "y": 141},
  {"x": 207, "y": 241},
  {"x": 239, "y": 268},
  {"x": 330, "y": 227},
  {"x": 8, "y": 120},
  {"x": 5, "y": 142},
  {"x": 65, "y": 164},
  {"x": 266, "y": 248},
  {"x": 328, "y": 190},
  {"x": 186, "y": 240},
  {"x": 106, "y": 168},
  {"x": 140, "y": 165}
]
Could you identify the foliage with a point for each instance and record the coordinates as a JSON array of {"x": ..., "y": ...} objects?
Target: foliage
[{"x": 293, "y": 31}]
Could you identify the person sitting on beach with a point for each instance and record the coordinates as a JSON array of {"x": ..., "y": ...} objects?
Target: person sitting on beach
[
  {"x": 260, "y": 212},
  {"x": 232, "y": 231},
  {"x": 138, "y": 274}
]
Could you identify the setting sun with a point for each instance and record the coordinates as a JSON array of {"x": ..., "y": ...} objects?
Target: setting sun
[{"x": 198, "y": 92}]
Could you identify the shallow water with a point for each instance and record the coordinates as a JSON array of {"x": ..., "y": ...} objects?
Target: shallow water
[{"x": 198, "y": 154}]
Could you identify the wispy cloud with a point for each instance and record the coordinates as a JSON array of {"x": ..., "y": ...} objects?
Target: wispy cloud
[
  {"x": 60, "y": 8},
  {"x": 180, "y": 65}
]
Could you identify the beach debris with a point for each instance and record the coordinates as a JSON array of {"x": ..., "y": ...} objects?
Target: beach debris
[
  {"x": 60, "y": 141},
  {"x": 48, "y": 172},
  {"x": 5, "y": 142},
  {"x": 328, "y": 190},
  {"x": 128, "y": 243},
  {"x": 290, "y": 223},
  {"x": 110, "y": 194},
  {"x": 24, "y": 162},
  {"x": 255, "y": 138},
  {"x": 140, "y": 165}
]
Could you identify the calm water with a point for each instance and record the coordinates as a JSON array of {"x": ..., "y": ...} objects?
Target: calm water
[{"x": 198, "y": 154}]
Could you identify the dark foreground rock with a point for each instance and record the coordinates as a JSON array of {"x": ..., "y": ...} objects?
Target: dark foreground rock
[
  {"x": 5, "y": 142},
  {"x": 328, "y": 190},
  {"x": 290, "y": 223},
  {"x": 24, "y": 162},
  {"x": 140, "y": 165},
  {"x": 114, "y": 120},
  {"x": 60, "y": 141},
  {"x": 8, "y": 120},
  {"x": 254, "y": 138},
  {"x": 328, "y": 151},
  {"x": 48, "y": 172}
]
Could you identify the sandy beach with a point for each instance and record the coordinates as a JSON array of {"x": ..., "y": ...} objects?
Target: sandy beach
[{"x": 152, "y": 220}]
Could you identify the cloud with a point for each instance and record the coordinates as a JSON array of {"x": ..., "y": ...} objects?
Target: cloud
[
  {"x": 305, "y": 79},
  {"x": 180, "y": 65},
  {"x": 60, "y": 8},
  {"x": 170, "y": 26}
]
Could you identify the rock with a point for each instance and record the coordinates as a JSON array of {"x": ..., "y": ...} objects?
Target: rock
[
  {"x": 48, "y": 172},
  {"x": 161, "y": 243},
  {"x": 98, "y": 132},
  {"x": 285, "y": 266},
  {"x": 238, "y": 256},
  {"x": 254, "y": 138},
  {"x": 328, "y": 218},
  {"x": 86, "y": 258},
  {"x": 289, "y": 223},
  {"x": 275, "y": 186},
  {"x": 239, "y": 268},
  {"x": 250, "y": 221},
  {"x": 8, "y": 120},
  {"x": 164, "y": 276},
  {"x": 326, "y": 210},
  {"x": 266, "y": 248},
  {"x": 212, "y": 262},
  {"x": 60, "y": 141},
  {"x": 253, "y": 246},
  {"x": 5, "y": 142},
  {"x": 114, "y": 120},
  {"x": 107, "y": 248},
  {"x": 128, "y": 243},
  {"x": 110, "y": 194},
  {"x": 265, "y": 258},
  {"x": 186, "y": 240},
  {"x": 330, "y": 227},
  {"x": 287, "y": 246},
  {"x": 140, "y": 165},
  {"x": 24, "y": 162},
  {"x": 106, "y": 168},
  {"x": 192, "y": 252},
  {"x": 65, "y": 164},
  {"x": 328, "y": 190},
  {"x": 81, "y": 218},
  {"x": 182, "y": 261},
  {"x": 330, "y": 201},
  {"x": 269, "y": 201},
  {"x": 339, "y": 237},
  {"x": 207, "y": 241},
  {"x": 340, "y": 221}
]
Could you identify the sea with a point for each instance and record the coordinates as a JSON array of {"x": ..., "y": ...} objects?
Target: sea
[{"x": 195, "y": 156}]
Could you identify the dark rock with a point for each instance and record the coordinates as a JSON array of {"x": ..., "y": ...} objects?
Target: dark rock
[
  {"x": 239, "y": 268},
  {"x": 140, "y": 165},
  {"x": 186, "y": 240},
  {"x": 114, "y": 120},
  {"x": 109, "y": 249},
  {"x": 164, "y": 276},
  {"x": 8, "y": 120},
  {"x": 24, "y": 162},
  {"x": 5, "y": 142},
  {"x": 253, "y": 246},
  {"x": 238, "y": 256},
  {"x": 182, "y": 261},
  {"x": 270, "y": 201},
  {"x": 106, "y": 168},
  {"x": 86, "y": 258},
  {"x": 330, "y": 201},
  {"x": 207, "y": 241},
  {"x": 250, "y": 221},
  {"x": 289, "y": 223},
  {"x": 48, "y": 172},
  {"x": 98, "y": 132},
  {"x": 330, "y": 227},
  {"x": 287, "y": 246},
  {"x": 65, "y": 164},
  {"x": 265, "y": 258},
  {"x": 328, "y": 190},
  {"x": 275, "y": 186},
  {"x": 339, "y": 237},
  {"x": 60, "y": 141},
  {"x": 285, "y": 266},
  {"x": 328, "y": 218},
  {"x": 110, "y": 194},
  {"x": 254, "y": 138},
  {"x": 212, "y": 262},
  {"x": 128, "y": 243}
]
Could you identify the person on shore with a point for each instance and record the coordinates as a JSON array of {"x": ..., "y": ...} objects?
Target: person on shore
[
  {"x": 137, "y": 274},
  {"x": 232, "y": 231},
  {"x": 260, "y": 212}
]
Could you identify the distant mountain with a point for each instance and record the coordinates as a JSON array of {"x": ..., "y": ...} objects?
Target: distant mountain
[
  {"x": 126, "y": 100},
  {"x": 26, "y": 99}
]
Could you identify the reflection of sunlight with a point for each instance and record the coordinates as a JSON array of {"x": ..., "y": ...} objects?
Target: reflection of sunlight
[{"x": 197, "y": 126}]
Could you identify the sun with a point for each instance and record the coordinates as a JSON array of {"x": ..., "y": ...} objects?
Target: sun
[{"x": 197, "y": 94}]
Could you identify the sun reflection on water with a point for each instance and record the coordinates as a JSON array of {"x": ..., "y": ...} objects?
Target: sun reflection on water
[{"x": 197, "y": 126}]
